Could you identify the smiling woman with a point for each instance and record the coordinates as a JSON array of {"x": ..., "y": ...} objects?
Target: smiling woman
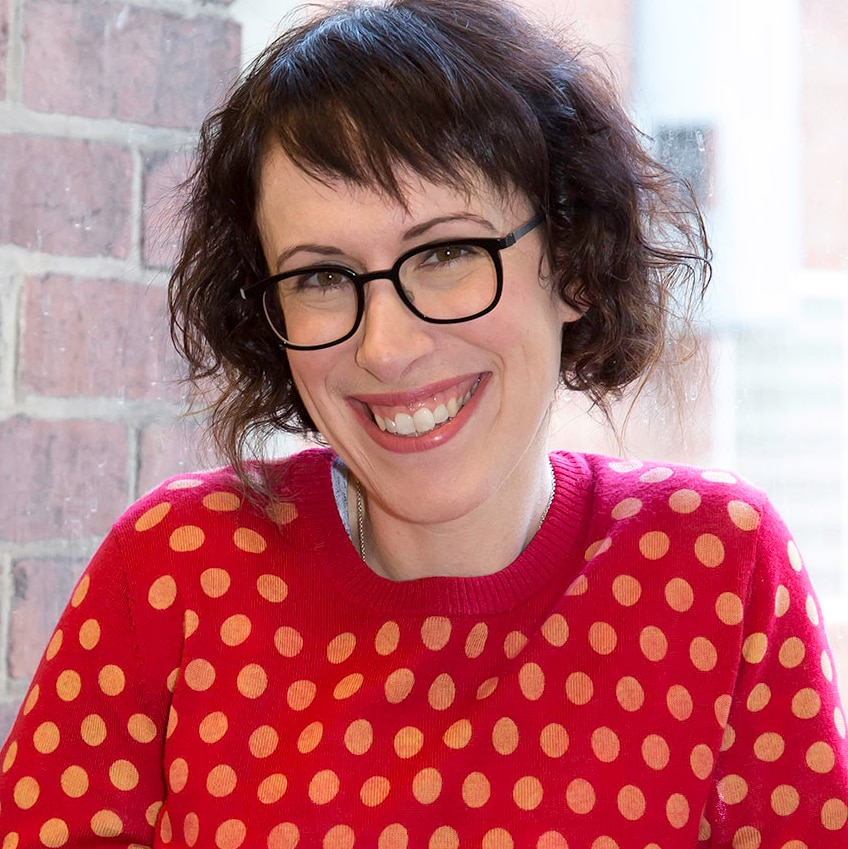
[{"x": 409, "y": 225}]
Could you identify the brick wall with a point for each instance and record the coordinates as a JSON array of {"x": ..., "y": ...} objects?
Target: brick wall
[{"x": 100, "y": 105}]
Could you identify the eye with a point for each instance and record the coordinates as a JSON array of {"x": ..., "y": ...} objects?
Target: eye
[
  {"x": 446, "y": 254},
  {"x": 318, "y": 280}
]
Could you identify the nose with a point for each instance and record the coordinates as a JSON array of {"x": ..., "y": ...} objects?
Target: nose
[{"x": 390, "y": 338}]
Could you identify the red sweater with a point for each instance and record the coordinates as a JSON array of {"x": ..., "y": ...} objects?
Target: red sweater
[{"x": 651, "y": 672}]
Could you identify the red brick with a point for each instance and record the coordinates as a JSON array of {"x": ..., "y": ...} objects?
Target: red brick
[
  {"x": 163, "y": 173},
  {"x": 60, "y": 479},
  {"x": 41, "y": 591},
  {"x": 111, "y": 60},
  {"x": 4, "y": 49},
  {"x": 65, "y": 197},
  {"x": 96, "y": 338},
  {"x": 166, "y": 450}
]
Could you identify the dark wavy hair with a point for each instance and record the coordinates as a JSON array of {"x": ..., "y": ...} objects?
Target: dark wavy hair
[{"x": 451, "y": 90}]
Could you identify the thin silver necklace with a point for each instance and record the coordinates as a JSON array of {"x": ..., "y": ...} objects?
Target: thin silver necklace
[{"x": 360, "y": 510}]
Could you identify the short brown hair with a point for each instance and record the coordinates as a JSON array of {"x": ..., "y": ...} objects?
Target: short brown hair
[{"x": 450, "y": 89}]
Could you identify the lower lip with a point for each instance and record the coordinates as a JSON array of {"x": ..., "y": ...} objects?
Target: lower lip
[{"x": 433, "y": 439}]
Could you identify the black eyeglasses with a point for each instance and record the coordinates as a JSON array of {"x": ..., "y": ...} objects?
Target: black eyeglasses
[{"x": 443, "y": 283}]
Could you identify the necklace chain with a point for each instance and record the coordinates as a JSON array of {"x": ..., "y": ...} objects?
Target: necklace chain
[{"x": 360, "y": 511}]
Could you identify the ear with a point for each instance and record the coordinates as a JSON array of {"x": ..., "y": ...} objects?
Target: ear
[{"x": 579, "y": 305}]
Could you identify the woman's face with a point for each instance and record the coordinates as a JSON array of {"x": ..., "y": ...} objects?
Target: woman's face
[{"x": 398, "y": 365}]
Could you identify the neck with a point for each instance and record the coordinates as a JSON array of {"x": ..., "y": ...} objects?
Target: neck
[{"x": 477, "y": 543}]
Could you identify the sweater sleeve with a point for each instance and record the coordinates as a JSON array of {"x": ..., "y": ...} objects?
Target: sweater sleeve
[
  {"x": 82, "y": 765},
  {"x": 781, "y": 774}
]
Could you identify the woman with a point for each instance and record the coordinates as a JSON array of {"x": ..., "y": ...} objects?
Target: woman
[{"x": 408, "y": 224}]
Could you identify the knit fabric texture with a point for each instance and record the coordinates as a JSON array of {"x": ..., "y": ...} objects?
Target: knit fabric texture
[{"x": 651, "y": 673}]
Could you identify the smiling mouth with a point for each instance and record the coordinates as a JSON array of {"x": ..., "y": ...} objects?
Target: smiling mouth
[{"x": 425, "y": 417}]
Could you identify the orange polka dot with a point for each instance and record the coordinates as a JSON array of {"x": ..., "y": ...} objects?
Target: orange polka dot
[
  {"x": 653, "y": 643},
  {"x": 300, "y": 694},
  {"x": 703, "y": 654},
  {"x": 230, "y": 834},
  {"x": 374, "y": 791},
  {"x": 812, "y": 610},
  {"x": 602, "y": 637},
  {"x": 684, "y": 501},
  {"x": 514, "y": 643},
  {"x": 408, "y": 742},
  {"x": 839, "y": 722},
  {"x": 221, "y": 781},
  {"x": 629, "y": 693},
  {"x": 781, "y": 601},
  {"x": 213, "y": 727},
  {"x": 551, "y": 840},
  {"x": 626, "y": 508},
  {"x": 387, "y": 638},
  {"x": 497, "y": 838},
  {"x": 747, "y": 837},
  {"x": 46, "y": 738},
  {"x": 442, "y": 692},
  {"x": 580, "y": 796},
  {"x": 272, "y": 789},
  {"x": 597, "y": 548},
  {"x": 654, "y": 545},
  {"x": 728, "y": 608},
  {"x": 359, "y": 736},
  {"x": 123, "y": 775},
  {"x": 679, "y": 594},
  {"x": 221, "y": 502},
  {"x": 11, "y": 754},
  {"x": 655, "y": 752},
  {"x": 32, "y": 698},
  {"x": 215, "y": 582},
  {"x": 578, "y": 586},
  {"x": 435, "y": 632},
  {"x": 341, "y": 647},
  {"x": 820, "y": 757},
  {"x": 622, "y": 467},
  {"x": 152, "y": 517},
  {"x": 89, "y": 634},
  {"x": 323, "y": 787},
  {"x": 677, "y": 810},
  {"x": 184, "y": 483},
  {"x": 475, "y": 642},
  {"x": 531, "y": 680},
  {"x": 743, "y": 515},
  {"x": 554, "y": 740},
  {"x": 263, "y": 741},
  {"x": 701, "y": 761},
  {"x": 178, "y": 774},
  {"x": 769, "y": 746},
  {"x": 626, "y": 590},
  {"x": 721, "y": 707},
  {"x": 54, "y": 645},
  {"x": 190, "y": 622},
  {"x": 679, "y": 702},
  {"x": 152, "y": 813},
  {"x": 732, "y": 789},
  {"x": 395, "y": 836},
  {"x": 191, "y": 829},
  {"x": 794, "y": 556},
  {"x": 806, "y": 703},
  {"x": 458, "y": 735},
  {"x": 759, "y": 697},
  {"x": 272, "y": 588},
  {"x": 282, "y": 512},
  {"x": 487, "y": 688},
  {"x": 605, "y": 744},
  {"x": 728, "y": 738},
  {"x": 834, "y": 814},
  {"x": 527, "y": 793},
  {"x": 199, "y": 674},
  {"x": 249, "y": 540},
  {"x": 443, "y": 837},
  {"x": 785, "y": 800},
  {"x": 252, "y": 681},
  {"x": 81, "y": 591},
  {"x": 579, "y": 688},
  {"x": 287, "y": 641},
  {"x": 717, "y": 476},
  {"x": 107, "y": 824},
  {"x": 10, "y": 841},
  {"x": 709, "y": 550},
  {"x": 505, "y": 736},
  {"x": 74, "y": 782},
  {"x": 631, "y": 802},
  {"x": 112, "y": 680},
  {"x": 348, "y": 686},
  {"x": 93, "y": 730},
  {"x": 186, "y": 538},
  {"x": 310, "y": 737},
  {"x": 286, "y": 835},
  {"x": 791, "y": 653},
  {"x": 555, "y": 630},
  {"x": 26, "y": 792},
  {"x": 235, "y": 629},
  {"x": 68, "y": 685},
  {"x": 399, "y": 685},
  {"x": 754, "y": 647},
  {"x": 53, "y": 833},
  {"x": 339, "y": 837},
  {"x": 427, "y": 786}
]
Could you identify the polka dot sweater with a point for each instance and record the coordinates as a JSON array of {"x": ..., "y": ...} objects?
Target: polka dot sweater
[{"x": 651, "y": 672}]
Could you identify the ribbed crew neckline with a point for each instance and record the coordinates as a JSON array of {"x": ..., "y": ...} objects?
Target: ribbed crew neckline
[{"x": 554, "y": 551}]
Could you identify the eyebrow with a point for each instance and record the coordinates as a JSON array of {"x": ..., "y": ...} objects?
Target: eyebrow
[{"x": 414, "y": 232}]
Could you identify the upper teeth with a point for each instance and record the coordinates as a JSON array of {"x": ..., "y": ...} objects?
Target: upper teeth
[{"x": 423, "y": 420}]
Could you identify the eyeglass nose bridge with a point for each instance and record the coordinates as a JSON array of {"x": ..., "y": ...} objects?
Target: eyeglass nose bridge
[{"x": 392, "y": 274}]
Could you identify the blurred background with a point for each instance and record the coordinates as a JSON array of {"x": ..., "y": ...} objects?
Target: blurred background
[{"x": 100, "y": 103}]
